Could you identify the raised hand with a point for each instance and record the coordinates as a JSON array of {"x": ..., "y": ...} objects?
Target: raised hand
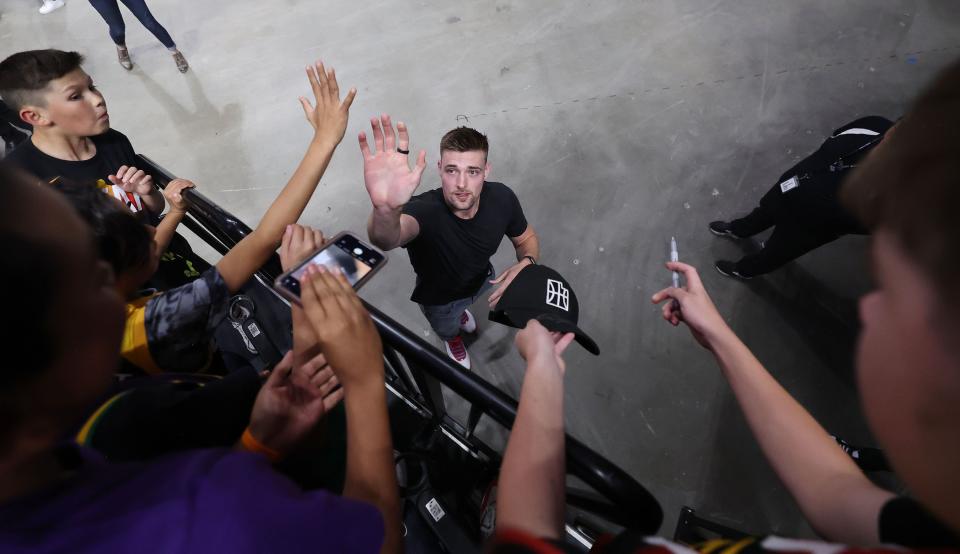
[
  {"x": 174, "y": 195},
  {"x": 343, "y": 327},
  {"x": 693, "y": 306},
  {"x": 386, "y": 171},
  {"x": 537, "y": 344},
  {"x": 134, "y": 180},
  {"x": 329, "y": 117},
  {"x": 292, "y": 402},
  {"x": 299, "y": 241}
]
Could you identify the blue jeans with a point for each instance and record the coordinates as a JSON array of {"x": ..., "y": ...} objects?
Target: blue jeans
[
  {"x": 110, "y": 12},
  {"x": 445, "y": 318}
]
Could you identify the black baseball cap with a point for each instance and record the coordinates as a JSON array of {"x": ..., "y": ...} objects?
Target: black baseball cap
[{"x": 538, "y": 292}]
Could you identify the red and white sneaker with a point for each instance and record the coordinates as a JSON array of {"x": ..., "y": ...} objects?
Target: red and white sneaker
[
  {"x": 467, "y": 322},
  {"x": 457, "y": 351}
]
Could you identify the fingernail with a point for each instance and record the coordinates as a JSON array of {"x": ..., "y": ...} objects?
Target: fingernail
[{"x": 321, "y": 268}]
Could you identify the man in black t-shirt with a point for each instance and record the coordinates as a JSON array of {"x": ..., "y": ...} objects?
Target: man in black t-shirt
[
  {"x": 450, "y": 232},
  {"x": 802, "y": 206}
]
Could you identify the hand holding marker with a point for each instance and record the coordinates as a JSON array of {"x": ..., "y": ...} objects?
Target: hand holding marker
[{"x": 675, "y": 257}]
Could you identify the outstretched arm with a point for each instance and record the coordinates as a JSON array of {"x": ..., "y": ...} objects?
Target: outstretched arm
[
  {"x": 350, "y": 342},
  {"x": 329, "y": 121},
  {"x": 836, "y": 498},
  {"x": 532, "y": 485},
  {"x": 299, "y": 242},
  {"x": 390, "y": 183}
]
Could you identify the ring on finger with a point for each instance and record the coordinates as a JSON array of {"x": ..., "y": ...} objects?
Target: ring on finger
[{"x": 402, "y": 151}]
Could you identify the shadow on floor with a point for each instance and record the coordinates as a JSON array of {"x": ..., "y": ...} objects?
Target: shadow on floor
[{"x": 825, "y": 320}]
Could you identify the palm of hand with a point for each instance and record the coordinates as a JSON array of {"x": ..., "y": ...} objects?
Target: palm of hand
[
  {"x": 288, "y": 413},
  {"x": 389, "y": 180}
]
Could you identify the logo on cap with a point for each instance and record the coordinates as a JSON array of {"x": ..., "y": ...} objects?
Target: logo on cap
[{"x": 558, "y": 295}]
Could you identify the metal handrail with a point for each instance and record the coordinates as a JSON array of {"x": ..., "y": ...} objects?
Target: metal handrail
[{"x": 631, "y": 505}]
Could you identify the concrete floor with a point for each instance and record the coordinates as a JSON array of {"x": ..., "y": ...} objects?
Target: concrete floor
[{"x": 618, "y": 123}]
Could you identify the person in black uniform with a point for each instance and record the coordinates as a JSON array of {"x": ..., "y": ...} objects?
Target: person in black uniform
[{"x": 802, "y": 206}]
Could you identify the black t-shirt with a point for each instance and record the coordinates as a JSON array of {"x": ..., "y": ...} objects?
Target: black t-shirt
[
  {"x": 905, "y": 522},
  {"x": 815, "y": 201},
  {"x": 451, "y": 255},
  {"x": 113, "y": 151},
  {"x": 178, "y": 265}
]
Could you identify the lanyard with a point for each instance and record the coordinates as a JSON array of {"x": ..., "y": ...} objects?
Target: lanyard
[{"x": 840, "y": 164}]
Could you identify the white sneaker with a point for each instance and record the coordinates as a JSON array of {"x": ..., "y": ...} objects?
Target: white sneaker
[
  {"x": 50, "y": 5},
  {"x": 467, "y": 322},
  {"x": 457, "y": 351}
]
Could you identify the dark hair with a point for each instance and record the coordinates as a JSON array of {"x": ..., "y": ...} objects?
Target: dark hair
[
  {"x": 465, "y": 139},
  {"x": 122, "y": 240},
  {"x": 25, "y": 74},
  {"x": 910, "y": 186},
  {"x": 28, "y": 273}
]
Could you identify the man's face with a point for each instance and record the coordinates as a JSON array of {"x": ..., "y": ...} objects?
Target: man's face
[
  {"x": 909, "y": 379},
  {"x": 462, "y": 175},
  {"x": 87, "y": 319},
  {"x": 73, "y": 106}
]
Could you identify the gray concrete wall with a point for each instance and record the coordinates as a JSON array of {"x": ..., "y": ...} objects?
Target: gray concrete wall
[{"x": 618, "y": 123}]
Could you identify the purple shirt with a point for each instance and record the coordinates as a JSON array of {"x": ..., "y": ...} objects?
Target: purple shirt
[{"x": 198, "y": 501}]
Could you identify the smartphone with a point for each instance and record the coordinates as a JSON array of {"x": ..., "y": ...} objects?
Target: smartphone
[{"x": 356, "y": 259}]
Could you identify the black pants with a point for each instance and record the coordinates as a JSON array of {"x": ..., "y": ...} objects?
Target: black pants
[
  {"x": 791, "y": 238},
  {"x": 110, "y": 12}
]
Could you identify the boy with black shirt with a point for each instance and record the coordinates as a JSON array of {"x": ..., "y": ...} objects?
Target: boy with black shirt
[
  {"x": 450, "y": 232},
  {"x": 72, "y": 140}
]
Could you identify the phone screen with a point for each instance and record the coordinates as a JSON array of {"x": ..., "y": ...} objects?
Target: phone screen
[{"x": 354, "y": 259}]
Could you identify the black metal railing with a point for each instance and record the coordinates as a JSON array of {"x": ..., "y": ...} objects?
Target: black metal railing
[{"x": 627, "y": 502}]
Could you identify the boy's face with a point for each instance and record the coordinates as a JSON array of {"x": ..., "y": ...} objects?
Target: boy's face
[
  {"x": 74, "y": 107},
  {"x": 462, "y": 175},
  {"x": 909, "y": 377},
  {"x": 87, "y": 319}
]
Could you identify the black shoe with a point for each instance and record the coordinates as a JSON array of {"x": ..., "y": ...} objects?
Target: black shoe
[
  {"x": 723, "y": 229},
  {"x": 729, "y": 269}
]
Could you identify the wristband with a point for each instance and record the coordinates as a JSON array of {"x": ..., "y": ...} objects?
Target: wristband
[
  {"x": 251, "y": 444},
  {"x": 531, "y": 258}
]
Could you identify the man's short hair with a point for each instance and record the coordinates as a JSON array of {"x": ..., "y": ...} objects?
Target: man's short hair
[
  {"x": 123, "y": 241},
  {"x": 464, "y": 139},
  {"x": 910, "y": 186},
  {"x": 24, "y": 75}
]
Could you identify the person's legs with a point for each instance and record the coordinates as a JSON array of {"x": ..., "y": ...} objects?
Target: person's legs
[
  {"x": 110, "y": 12},
  {"x": 444, "y": 319},
  {"x": 757, "y": 221},
  {"x": 139, "y": 9},
  {"x": 788, "y": 242},
  {"x": 445, "y": 322}
]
